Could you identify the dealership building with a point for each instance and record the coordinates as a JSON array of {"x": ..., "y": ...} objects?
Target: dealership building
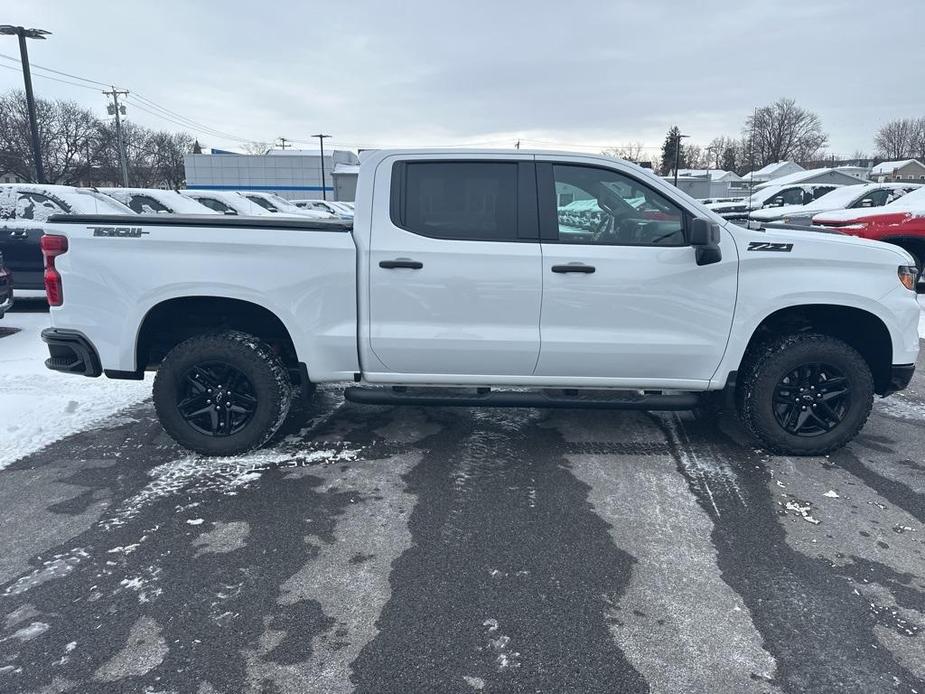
[{"x": 294, "y": 174}]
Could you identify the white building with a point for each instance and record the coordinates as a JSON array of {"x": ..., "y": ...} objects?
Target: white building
[
  {"x": 772, "y": 171},
  {"x": 826, "y": 175},
  {"x": 710, "y": 183},
  {"x": 293, "y": 174}
]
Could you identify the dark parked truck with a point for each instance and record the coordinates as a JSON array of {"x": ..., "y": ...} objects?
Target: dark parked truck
[
  {"x": 463, "y": 279},
  {"x": 24, "y": 210}
]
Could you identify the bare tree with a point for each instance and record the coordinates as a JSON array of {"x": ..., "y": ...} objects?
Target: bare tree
[
  {"x": 897, "y": 139},
  {"x": 66, "y": 132},
  {"x": 256, "y": 147},
  {"x": 783, "y": 131}
]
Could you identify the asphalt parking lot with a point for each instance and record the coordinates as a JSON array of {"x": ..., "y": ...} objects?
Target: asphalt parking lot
[{"x": 378, "y": 549}]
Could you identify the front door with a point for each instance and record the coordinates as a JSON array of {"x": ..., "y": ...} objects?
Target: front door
[
  {"x": 623, "y": 297},
  {"x": 455, "y": 269}
]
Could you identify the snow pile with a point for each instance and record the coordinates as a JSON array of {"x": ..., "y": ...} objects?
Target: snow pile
[{"x": 39, "y": 406}]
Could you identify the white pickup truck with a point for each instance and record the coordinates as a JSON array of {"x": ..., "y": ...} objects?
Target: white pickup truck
[{"x": 464, "y": 280}]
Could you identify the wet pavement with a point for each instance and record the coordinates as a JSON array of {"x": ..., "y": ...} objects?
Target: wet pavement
[{"x": 379, "y": 549}]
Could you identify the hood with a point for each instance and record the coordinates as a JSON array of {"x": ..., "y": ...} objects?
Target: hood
[
  {"x": 821, "y": 245},
  {"x": 770, "y": 214}
]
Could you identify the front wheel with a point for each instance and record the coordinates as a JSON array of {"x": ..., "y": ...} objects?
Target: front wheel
[
  {"x": 805, "y": 394},
  {"x": 222, "y": 394}
]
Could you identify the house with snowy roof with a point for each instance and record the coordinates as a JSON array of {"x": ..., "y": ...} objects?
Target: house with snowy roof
[
  {"x": 771, "y": 171},
  {"x": 824, "y": 175},
  {"x": 895, "y": 171}
]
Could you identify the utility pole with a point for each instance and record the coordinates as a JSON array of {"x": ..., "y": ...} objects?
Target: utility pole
[
  {"x": 282, "y": 143},
  {"x": 321, "y": 137},
  {"x": 517, "y": 145},
  {"x": 677, "y": 156},
  {"x": 24, "y": 34},
  {"x": 118, "y": 111}
]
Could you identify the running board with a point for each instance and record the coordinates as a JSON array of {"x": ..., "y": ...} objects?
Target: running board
[{"x": 569, "y": 399}]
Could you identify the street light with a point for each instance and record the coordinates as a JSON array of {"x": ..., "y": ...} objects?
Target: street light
[
  {"x": 677, "y": 156},
  {"x": 24, "y": 34},
  {"x": 321, "y": 138}
]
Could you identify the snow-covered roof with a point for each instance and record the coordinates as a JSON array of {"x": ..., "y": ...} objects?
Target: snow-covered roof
[
  {"x": 78, "y": 200},
  {"x": 807, "y": 175},
  {"x": 769, "y": 169},
  {"x": 232, "y": 199},
  {"x": 889, "y": 167},
  {"x": 171, "y": 199}
]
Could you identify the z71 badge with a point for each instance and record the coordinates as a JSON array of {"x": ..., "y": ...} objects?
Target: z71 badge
[
  {"x": 119, "y": 232},
  {"x": 773, "y": 247}
]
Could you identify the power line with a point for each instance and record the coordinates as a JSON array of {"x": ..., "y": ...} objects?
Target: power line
[
  {"x": 49, "y": 77},
  {"x": 57, "y": 72}
]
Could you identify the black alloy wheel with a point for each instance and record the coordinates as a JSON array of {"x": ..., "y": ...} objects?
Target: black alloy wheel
[
  {"x": 216, "y": 399},
  {"x": 811, "y": 400}
]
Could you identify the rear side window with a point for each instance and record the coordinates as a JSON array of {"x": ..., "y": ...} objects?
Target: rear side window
[
  {"x": 145, "y": 204},
  {"x": 264, "y": 203},
  {"x": 37, "y": 207},
  {"x": 475, "y": 201},
  {"x": 216, "y": 205}
]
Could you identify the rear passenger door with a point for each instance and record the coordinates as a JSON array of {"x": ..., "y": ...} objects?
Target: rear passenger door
[{"x": 455, "y": 269}]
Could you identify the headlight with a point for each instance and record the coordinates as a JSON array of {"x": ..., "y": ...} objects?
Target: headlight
[{"x": 908, "y": 276}]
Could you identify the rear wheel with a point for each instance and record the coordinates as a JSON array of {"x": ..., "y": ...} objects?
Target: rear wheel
[
  {"x": 805, "y": 394},
  {"x": 222, "y": 394}
]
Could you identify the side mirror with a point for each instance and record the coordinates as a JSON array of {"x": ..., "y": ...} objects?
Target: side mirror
[
  {"x": 867, "y": 203},
  {"x": 704, "y": 237}
]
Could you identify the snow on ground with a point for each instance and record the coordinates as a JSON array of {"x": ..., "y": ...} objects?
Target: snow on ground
[{"x": 39, "y": 406}]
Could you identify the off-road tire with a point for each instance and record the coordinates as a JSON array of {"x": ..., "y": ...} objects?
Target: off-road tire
[
  {"x": 769, "y": 362},
  {"x": 246, "y": 353}
]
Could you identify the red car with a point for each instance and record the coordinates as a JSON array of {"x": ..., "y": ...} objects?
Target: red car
[{"x": 901, "y": 223}]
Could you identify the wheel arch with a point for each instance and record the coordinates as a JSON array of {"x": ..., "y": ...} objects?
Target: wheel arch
[
  {"x": 861, "y": 329},
  {"x": 172, "y": 320}
]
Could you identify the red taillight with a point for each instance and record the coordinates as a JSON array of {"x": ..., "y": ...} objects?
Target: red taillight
[{"x": 53, "y": 246}]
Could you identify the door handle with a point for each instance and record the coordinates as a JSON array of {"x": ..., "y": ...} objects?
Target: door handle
[
  {"x": 574, "y": 267},
  {"x": 401, "y": 263}
]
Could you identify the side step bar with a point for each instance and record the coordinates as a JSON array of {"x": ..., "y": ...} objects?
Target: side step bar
[{"x": 445, "y": 398}]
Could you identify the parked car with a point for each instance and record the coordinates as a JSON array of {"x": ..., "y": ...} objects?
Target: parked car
[
  {"x": 6, "y": 288},
  {"x": 24, "y": 210},
  {"x": 277, "y": 205},
  {"x": 156, "y": 201},
  {"x": 227, "y": 202},
  {"x": 459, "y": 274},
  {"x": 772, "y": 196},
  {"x": 333, "y": 207},
  {"x": 901, "y": 223},
  {"x": 861, "y": 196}
]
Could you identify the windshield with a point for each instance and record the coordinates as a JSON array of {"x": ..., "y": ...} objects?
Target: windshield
[{"x": 265, "y": 204}]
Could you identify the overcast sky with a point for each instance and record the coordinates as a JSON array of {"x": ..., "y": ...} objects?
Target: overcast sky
[{"x": 568, "y": 75}]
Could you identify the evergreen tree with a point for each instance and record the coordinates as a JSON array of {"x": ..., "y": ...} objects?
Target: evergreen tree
[{"x": 672, "y": 142}]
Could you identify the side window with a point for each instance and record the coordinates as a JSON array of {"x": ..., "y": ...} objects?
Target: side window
[
  {"x": 605, "y": 207},
  {"x": 264, "y": 203},
  {"x": 37, "y": 207},
  {"x": 216, "y": 205},
  {"x": 875, "y": 198},
  {"x": 145, "y": 204},
  {"x": 791, "y": 196},
  {"x": 472, "y": 201},
  {"x": 819, "y": 192}
]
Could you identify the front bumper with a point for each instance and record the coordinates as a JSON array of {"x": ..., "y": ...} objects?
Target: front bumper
[
  {"x": 71, "y": 352},
  {"x": 900, "y": 377}
]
